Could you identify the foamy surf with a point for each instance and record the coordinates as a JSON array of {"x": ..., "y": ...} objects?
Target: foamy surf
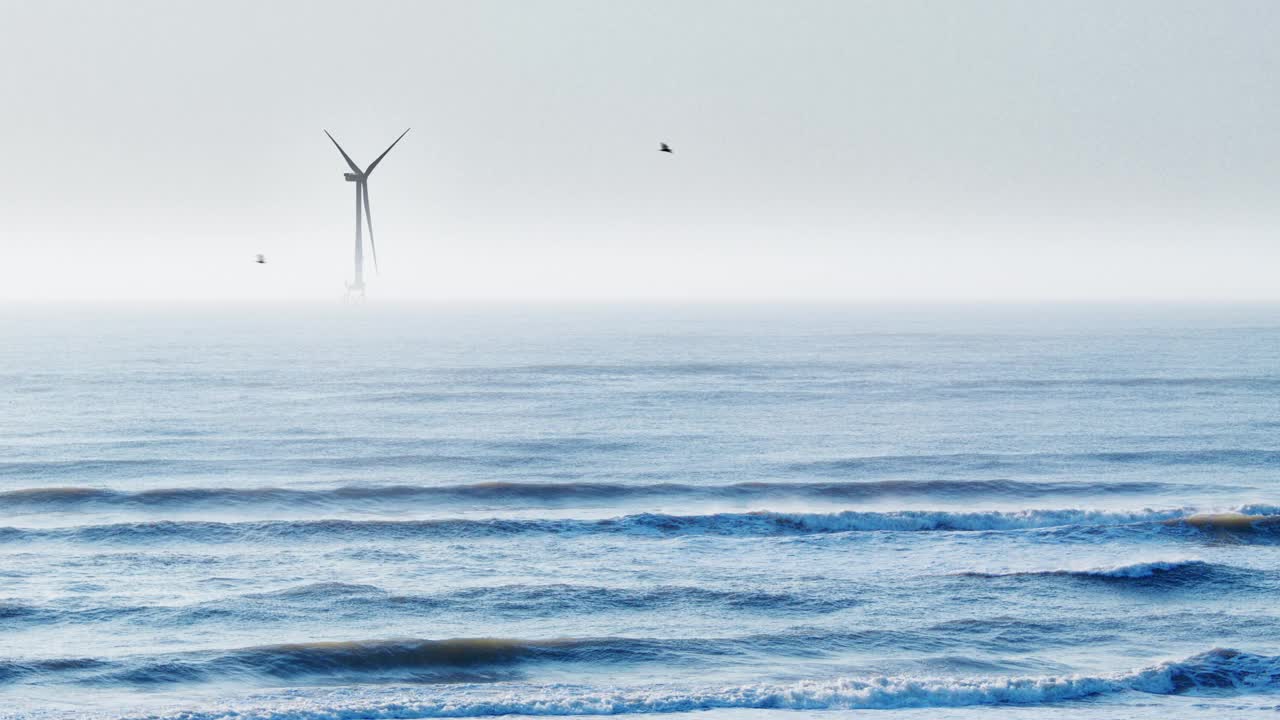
[{"x": 1216, "y": 672}]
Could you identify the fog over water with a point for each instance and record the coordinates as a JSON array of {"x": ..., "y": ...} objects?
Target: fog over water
[
  {"x": 933, "y": 372},
  {"x": 823, "y": 150}
]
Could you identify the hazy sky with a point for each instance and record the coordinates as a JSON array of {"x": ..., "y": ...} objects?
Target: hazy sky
[{"x": 824, "y": 150}]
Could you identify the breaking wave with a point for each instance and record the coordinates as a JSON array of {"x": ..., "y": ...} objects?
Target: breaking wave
[
  {"x": 1165, "y": 571},
  {"x": 1218, "y": 671},
  {"x": 477, "y": 659},
  {"x": 747, "y": 524}
]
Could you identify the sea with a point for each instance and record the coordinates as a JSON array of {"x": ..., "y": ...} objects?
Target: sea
[{"x": 341, "y": 511}]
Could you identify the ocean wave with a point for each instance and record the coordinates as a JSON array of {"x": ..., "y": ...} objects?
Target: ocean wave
[
  {"x": 377, "y": 661},
  {"x": 1168, "y": 571},
  {"x": 75, "y": 498},
  {"x": 131, "y": 469},
  {"x": 425, "y": 661},
  {"x": 1218, "y": 671},
  {"x": 352, "y": 602},
  {"x": 410, "y": 660},
  {"x": 746, "y": 524},
  {"x": 1031, "y": 462},
  {"x": 538, "y": 600},
  {"x": 222, "y": 458},
  {"x": 1253, "y": 383}
]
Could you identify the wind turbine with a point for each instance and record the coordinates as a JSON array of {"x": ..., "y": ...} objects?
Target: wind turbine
[{"x": 361, "y": 179}]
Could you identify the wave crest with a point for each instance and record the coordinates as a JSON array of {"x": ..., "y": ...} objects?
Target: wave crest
[
  {"x": 747, "y": 524},
  {"x": 1183, "y": 571},
  {"x": 1216, "y": 671},
  {"x": 529, "y": 493}
]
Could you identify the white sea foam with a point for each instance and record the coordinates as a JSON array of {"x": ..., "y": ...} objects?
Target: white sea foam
[{"x": 1218, "y": 670}]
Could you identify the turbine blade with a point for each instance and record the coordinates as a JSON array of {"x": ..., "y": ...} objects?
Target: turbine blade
[
  {"x": 368, "y": 217},
  {"x": 354, "y": 168},
  {"x": 374, "y": 164}
]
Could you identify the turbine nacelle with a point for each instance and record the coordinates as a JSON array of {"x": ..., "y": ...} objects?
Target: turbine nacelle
[{"x": 351, "y": 177}]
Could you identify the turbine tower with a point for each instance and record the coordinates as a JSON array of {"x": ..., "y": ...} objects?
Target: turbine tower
[{"x": 361, "y": 179}]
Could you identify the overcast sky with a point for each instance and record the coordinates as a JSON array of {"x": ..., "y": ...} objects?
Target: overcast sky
[{"x": 824, "y": 150}]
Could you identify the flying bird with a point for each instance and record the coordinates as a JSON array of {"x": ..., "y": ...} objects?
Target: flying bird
[
  {"x": 666, "y": 148},
  {"x": 262, "y": 259}
]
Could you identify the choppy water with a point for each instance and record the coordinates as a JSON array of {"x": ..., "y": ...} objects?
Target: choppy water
[{"x": 364, "y": 512}]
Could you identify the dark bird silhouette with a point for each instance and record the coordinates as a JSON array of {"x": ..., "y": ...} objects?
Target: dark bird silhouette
[
  {"x": 666, "y": 149},
  {"x": 262, "y": 260}
]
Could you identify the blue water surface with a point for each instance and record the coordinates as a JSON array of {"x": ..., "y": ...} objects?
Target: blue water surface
[{"x": 721, "y": 512}]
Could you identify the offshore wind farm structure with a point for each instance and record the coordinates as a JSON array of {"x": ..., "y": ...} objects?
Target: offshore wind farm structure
[{"x": 363, "y": 214}]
